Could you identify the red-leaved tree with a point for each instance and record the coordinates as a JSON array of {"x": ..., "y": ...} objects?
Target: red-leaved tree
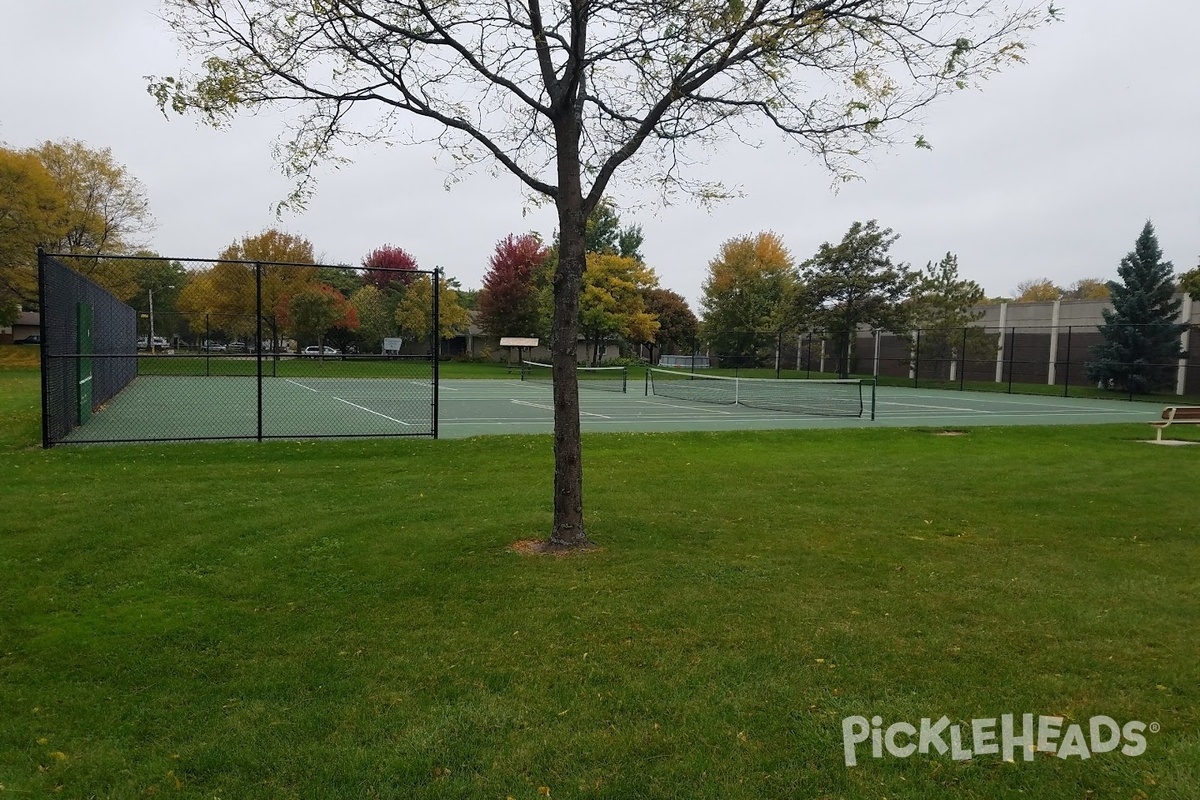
[
  {"x": 380, "y": 264},
  {"x": 508, "y": 303}
]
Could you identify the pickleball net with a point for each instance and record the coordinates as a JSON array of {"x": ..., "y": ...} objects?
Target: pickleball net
[{"x": 835, "y": 397}]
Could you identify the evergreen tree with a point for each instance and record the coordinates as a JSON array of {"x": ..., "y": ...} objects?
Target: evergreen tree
[{"x": 1141, "y": 331}]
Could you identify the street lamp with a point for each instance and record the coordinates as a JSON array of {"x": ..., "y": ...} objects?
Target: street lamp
[{"x": 151, "y": 343}]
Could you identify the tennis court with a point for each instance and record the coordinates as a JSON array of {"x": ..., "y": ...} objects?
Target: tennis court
[
  {"x": 170, "y": 407},
  {"x": 473, "y": 407}
]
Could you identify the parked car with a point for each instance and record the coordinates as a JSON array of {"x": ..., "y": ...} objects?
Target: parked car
[
  {"x": 212, "y": 347},
  {"x": 314, "y": 350},
  {"x": 160, "y": 341},
  {"x": 236, "y": 347},
  {"x": 143, "y": 343},
  {"x": 33, "y": 338}
]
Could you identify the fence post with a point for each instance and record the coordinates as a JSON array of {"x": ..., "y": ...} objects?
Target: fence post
[
  {"x": 258, "y": 349},
  {"x": 917, "y": 361},
  {"x": 1052, "y": 374},
  {"x": 44, "y": 345},
  {"x": 437, "y": 345},
  {"x": 1185, "y": 316},
  {"x": 1000, "y": 348},
  {"x": 207, "y": 350},
  {"x": 878, "y": 334},
  {"x": 1067, "y": 366},
  {"x": 778, "y": 352},
  {"x": 962, "y": 374},
  {"x": 1012, "y": 355},
  {"x": 808, "y": 363}
]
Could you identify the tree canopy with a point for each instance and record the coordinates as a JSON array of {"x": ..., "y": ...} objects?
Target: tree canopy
[
  {"x": 1141, "y": 331},
  {"x": 33, "y": 211},
  {"x": 1037, "y": 290},
  {"x": 509, "y": 303},
  {"x": 855, "y": 282},
  {"x": 751, "y": 288},
  {"x": 564, "y": 95}
]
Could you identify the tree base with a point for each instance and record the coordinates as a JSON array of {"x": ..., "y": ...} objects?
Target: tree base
[{"x": 543, "y": 547}]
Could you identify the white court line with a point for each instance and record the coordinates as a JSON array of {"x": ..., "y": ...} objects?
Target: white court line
[
  {"x": 935, "y": 408},
  {"x": 376, "y": 413},
  {"x": 301, "y": 385},
  {"x": 551, "y": 408},
  {"x": 685, "y": 408}
]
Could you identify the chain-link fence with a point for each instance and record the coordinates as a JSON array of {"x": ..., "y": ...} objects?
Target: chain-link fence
[
  {"x": 295, "y": 366},
  {"x": 1021, "y": 360}
]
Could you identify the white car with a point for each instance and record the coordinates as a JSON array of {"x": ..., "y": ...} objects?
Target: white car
[{"x": 321, "y": 351}]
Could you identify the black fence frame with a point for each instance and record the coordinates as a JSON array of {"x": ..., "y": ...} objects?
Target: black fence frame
[
  {"x": 115, "y": 325},
  {"x": 922, "y": 359}
]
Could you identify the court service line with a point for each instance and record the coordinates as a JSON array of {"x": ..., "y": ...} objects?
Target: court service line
[
  {"x": 551, "y": 408},
  {"x": 685, "y": 408},
  {"x": 376, "y": 413},
  {"x": 938, "y": 408},
  {"x": 301, "y": 385}
]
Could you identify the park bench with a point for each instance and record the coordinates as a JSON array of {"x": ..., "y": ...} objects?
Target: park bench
[{"x": 1177, "y": 415}]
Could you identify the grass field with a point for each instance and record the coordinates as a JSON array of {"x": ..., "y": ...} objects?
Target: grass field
[{"x": 346, "y": 619}]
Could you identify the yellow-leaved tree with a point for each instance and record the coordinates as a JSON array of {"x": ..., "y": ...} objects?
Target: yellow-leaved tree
[{"x": 613, "y": 302}]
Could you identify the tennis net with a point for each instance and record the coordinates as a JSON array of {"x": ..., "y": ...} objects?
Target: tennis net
[
  {"x": 605, "y": 379},
  {"x": 826, "y": 398}
]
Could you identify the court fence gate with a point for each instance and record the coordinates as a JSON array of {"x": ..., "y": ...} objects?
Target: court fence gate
[{"x": 243, "y": 367}]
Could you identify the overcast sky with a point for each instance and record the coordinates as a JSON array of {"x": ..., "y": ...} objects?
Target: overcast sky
[{"x": 1049, "y": 171}]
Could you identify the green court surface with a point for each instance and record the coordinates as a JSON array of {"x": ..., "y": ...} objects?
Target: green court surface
[
  {"x": 168, "y": 407},
  {"x": 471, "y": 407},
  {"x": 191, "y": 407},
  {"x": 218, "y": 407}
]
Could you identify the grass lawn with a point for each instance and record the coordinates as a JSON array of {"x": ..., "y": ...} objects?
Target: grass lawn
[{"x": 346, "y": 620}]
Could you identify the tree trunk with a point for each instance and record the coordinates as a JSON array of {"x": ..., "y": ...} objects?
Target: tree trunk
[{"x": 568, "y": 531}]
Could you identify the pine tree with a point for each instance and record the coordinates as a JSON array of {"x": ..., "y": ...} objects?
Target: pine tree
[{"x": 1141, "y": 331}]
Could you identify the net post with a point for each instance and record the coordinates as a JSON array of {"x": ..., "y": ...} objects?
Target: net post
[
  {"x": 874, "y": 383},
  {"x": 258, "y": 334},
  {"x": 646, "y": 381},
  {"x": 624, "y": 379},
  {"x": 207, "y": 349},
  {"x": 44, "y": 345}
]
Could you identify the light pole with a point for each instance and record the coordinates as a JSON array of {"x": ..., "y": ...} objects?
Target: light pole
[{"x": 151, "y": 342}]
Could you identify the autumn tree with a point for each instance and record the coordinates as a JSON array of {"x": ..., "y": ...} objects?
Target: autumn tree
[
  {"x": 613, "y": 302},
  {"x": 508, "y": 302},
  {"x": 750, "y": 290},
  {"x": 414, "y": 312},
  {"x": 1039, "y": 290},
  {"x": 33, "y": 212},
  {"x": 677, "y": 324},
  {"x": 1189, "y": 283},
  {"x": 855, "y": 282},
  {"x": 227, "y": 294},
  {"x": 1141, "y": 331},
  {"x": 381, "y": 264},
  {"x": 313, "y": 310},
  {"x": 566, "y": 95},
  {"x": 376, "y": 317},
  {"x": 107, "y": 208},
  {"x": 1088, "y": 289}
]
